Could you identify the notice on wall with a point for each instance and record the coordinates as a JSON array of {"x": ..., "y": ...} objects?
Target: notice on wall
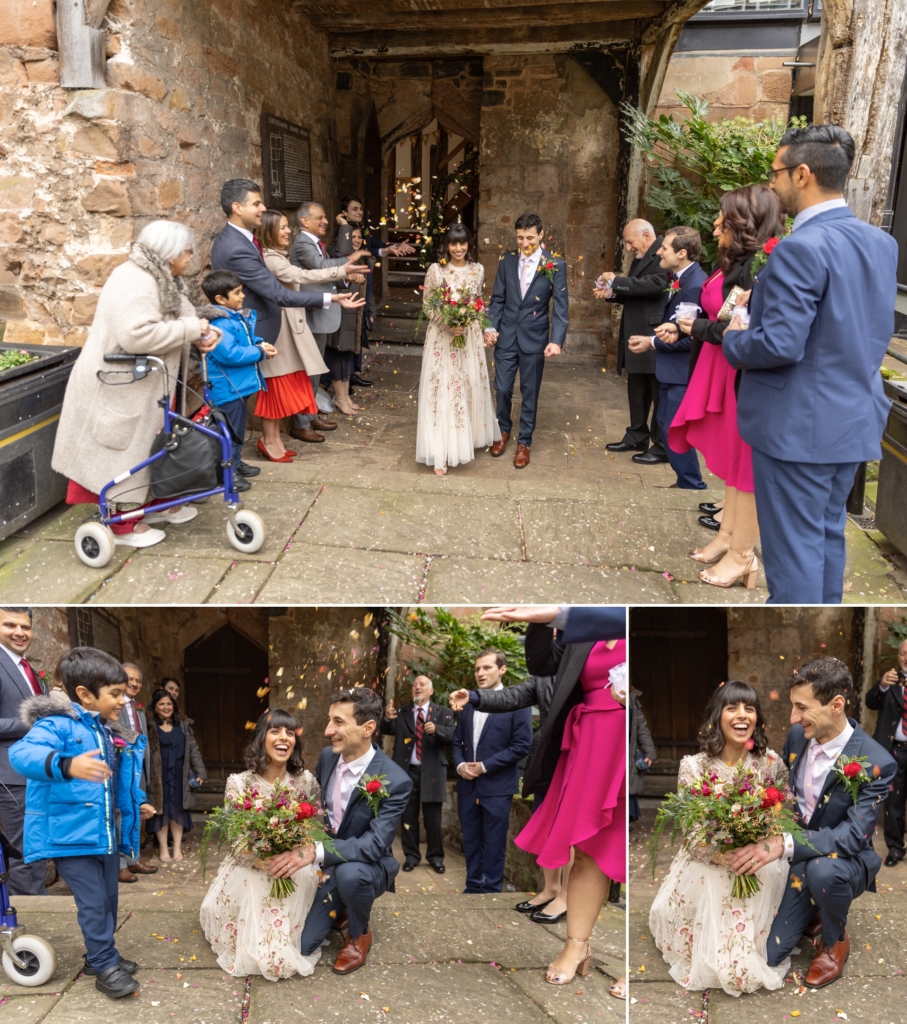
[{"x": 286, "y": 161}]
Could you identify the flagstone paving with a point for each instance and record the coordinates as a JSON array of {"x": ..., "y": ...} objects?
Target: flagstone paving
[
  {"x": 356, "y": 519},
  {"x": 437, "y": 956}
]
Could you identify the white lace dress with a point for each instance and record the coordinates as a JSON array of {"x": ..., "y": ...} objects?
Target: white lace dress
[
  {"x": 250, "y": 932},
  {"x": 456, "y": 412},
  {"x": 707, "y": 937}
]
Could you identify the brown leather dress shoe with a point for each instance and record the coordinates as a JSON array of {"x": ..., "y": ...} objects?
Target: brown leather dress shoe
[
  {"x": 319, "y": 423},
  {"x": 341, "y": 923},
  {"x": 353, "y": 953},
  {"x": 521, "y": 459},
  {"x": 498, "y": 447},
  {"x": 127, "y": 876},
  {"x": 142, "y": 869},
  {"x": 814, "y": 927},
  {"x": 828, "y": 963},
  {"x": 307, "y": 435}
]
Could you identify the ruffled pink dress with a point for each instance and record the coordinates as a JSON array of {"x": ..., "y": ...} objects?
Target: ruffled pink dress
[
  {"x": 585, "y": 805},
  {"x": 707, "y": 417}
]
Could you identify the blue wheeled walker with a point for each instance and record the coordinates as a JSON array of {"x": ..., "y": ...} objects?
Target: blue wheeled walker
[
  {"x": 27, "y": 959},
  {"x": 94, "y": 539}
]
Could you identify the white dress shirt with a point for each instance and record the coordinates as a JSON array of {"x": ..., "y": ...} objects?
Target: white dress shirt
[
  {"x": 679, "y": 274},
  {"x": 413, "y": 759},
  {"x": 479, "y": 718},
  {"x": 899, "y": 734},
  {"x": 527, "y": 276},
  {"x": 16, "y": 659},
  {"x": 813, "y": 211},
  {"x": 349, "y": 783},
  {"x": 243, "y": 231}
]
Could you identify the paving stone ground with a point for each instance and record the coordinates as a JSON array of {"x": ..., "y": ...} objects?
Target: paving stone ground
[
  {"x": 356, "y": 519},
  {"x": 437, "y": 956},
  {"x": 872, "y": 989}
]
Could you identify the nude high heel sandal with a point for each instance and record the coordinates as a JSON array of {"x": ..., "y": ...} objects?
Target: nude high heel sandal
[
  {"x": 581, "y": 966},
  {"x": 696, "y": 555},
  {"x": 749, "y": 574}
]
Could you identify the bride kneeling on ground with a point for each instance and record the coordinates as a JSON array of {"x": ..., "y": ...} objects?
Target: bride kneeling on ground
[{"x": 250, "y": 931}]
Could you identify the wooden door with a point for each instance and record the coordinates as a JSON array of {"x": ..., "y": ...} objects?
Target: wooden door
[
  {"x": 677, "y": 657},
  {"x": 222, "y": 673}
]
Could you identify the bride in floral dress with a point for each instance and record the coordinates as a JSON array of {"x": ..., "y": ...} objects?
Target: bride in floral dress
[
  {"x": 456, "y": 411},
  {"x": 706, "y": 936},
  {"x": 249, "y": 931}
]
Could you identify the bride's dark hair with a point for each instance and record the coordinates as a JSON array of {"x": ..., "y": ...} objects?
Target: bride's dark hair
[
  {"x": 711, "y": 738},
  {"x": 255, "y": 755},
  {"x": 456, "y": 233}
]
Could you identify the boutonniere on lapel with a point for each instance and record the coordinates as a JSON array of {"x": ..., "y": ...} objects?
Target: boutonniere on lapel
[
  {"x": 761, "y": 256},
  {"x": 373, "y": 790},
  {"x": 547, "y": 266},
  {"x": 119, "y": 743},
  {"x": 851, "y": 773},
  {"x": 44, "y": 680},
  {"x": 673, "y": 288}
]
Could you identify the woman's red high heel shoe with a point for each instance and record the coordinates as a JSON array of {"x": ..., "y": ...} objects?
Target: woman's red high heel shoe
[{"x": 286, "y": 457}]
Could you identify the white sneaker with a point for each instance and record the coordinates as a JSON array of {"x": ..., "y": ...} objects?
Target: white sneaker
[
  {"x": 172, "y": 516},
  {"x": 145, "y": 539}
]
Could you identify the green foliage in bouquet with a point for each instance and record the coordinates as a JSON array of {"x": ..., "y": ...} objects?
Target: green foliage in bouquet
[
  {"x": 448, "y": 647},
  {"x": 693, "y": 161}
]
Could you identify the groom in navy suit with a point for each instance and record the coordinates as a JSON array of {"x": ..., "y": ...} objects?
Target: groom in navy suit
[
  {"x": 811, "y": 402},
  {"x": 527, "y": 283},
  {"x": 361, "y": 867},
  {"x": 487, "y": 749},
  {"x": 839, "y": 864},
  {"x": 679, "y": 253}
]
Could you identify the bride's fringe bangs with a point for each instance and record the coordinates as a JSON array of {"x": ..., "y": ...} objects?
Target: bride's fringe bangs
[
  {"x": 711, "y": 738},
  {"x": 256, "y": 757}
]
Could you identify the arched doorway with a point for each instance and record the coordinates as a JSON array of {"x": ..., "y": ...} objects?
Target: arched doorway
[{"x": 223, "y": 672}]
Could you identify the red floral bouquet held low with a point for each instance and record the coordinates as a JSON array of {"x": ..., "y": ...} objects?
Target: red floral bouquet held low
[
  {"x": 455, "y": 312},
  {"x": 726, "y": 816},
  {"x": 266, "y": 825}
]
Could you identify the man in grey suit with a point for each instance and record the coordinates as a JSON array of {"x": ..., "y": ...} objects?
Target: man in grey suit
[
  {"x": 133, "y": 716},
  {"x": 310, "y": 252},
  {"x": 18, "y": 681}
]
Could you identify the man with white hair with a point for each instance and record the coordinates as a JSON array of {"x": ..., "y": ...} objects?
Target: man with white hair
[{"x": 642, "y": 292}]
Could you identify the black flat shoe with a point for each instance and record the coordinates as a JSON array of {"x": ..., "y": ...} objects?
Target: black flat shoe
[
  {"x": 530, "y": 908},
  {"x": 709, "y": 522},
  {"x": 129, "y": 966},
  {"x": 241, "y": 484},
  {"x": 709, "y": 508},
  {"x": 548, "y": 918},
  {"x": 622, "y": 446},
  {"x": 409, "y": 866},
  {"x": 893, "y": 858},
  {"x": 116, "y": 983},
  {"x": 438, "y": 867},
  {"x": 648, "y": 459},
  {"x": 360, "y": 382},
  {"x": 244, "y": 469}
]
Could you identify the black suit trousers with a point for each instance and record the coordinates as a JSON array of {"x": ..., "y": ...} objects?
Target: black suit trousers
[
  {"x": 431, "y": 816},
  {"x": 642, "y": 398},
  {"x": 896, "y": 801}
]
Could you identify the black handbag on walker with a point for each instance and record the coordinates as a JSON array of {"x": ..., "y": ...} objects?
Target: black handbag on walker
[{"x": 192, "y": 462}]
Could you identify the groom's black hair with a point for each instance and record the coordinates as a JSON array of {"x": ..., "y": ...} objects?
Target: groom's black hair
[
  {"x": 828, "y": 677},
  {"x": 256, "y": 757},
  {"x": 367, "y": 705},
  {"x": 528, "y": 220},
  {"x": 711, "y": 738}
]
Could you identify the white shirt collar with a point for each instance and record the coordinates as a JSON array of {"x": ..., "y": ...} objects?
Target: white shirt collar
[
  {"x": 314, "y": 238},
  {"x": 534, "y": 258},
  {"x": 813, "y": 211},
  {"x": 833, "y": 747},
  {"x": 13, "y": 657},
  {"x": 357, "y": 767},
  {"x": 680, "y": 273},
  {"x": 242, "y": 231}
]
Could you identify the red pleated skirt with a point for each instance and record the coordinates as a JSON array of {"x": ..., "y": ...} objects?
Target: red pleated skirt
[{"x": 287, "y": 395}]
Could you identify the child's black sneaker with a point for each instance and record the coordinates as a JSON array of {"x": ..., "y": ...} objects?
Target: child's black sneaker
[
  {"x": 115, "y": 982},
  {"x": 129, "y": 966}
]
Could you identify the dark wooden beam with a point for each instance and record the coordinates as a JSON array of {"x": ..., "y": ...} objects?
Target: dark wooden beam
[
  {"x": 677, "y": 13},
  {"x": 335, "y": 10}
]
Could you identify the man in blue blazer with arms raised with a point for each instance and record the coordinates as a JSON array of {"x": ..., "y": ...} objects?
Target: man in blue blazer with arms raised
[{"x": 811, "y": 402}]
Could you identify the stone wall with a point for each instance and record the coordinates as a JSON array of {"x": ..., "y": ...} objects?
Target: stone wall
[
  {"x": 85, "y": 170},
  {"x": 549, "y": 145}
]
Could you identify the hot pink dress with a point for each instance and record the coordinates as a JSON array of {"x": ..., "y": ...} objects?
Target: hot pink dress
[
  {"x": 707, "y": 417},
  {"x": 585, "y": 805}
]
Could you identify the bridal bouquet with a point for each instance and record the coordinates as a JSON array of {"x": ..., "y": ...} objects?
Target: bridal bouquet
[
  {"x": 456, "y": 313},
  {"x": 265, "y": 825},
  {"x": 726, "y": 815}
]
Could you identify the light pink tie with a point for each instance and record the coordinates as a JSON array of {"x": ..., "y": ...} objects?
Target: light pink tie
[
  {"x": 810, "y": 793},
  {"x": 337, "y": 804},
  {"x": 526, "y": 278}
]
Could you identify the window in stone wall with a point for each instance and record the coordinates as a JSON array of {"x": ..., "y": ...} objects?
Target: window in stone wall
[
  {"x": 94, "y": 627},
  {"x": 747, "y": 6}
]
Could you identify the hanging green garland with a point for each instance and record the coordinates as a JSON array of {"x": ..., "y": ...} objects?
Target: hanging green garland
[{"x": 463, "y": 175}]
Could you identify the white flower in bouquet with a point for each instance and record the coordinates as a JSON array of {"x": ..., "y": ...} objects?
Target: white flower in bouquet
[{"x": 618, "y": 678}]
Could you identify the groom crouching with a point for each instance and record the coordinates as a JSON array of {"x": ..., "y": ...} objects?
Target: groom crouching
[
  {"x": 838, "y": 812},
  {"x": 363, "y": 866}
]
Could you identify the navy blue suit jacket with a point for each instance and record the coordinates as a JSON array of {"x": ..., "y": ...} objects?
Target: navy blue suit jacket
[
  {"x": 672, "y": 362},
  {"x": 504, "y": 742},
  {"x": 264, "y": 293},
  {"x": 591, "y": 623},
  {"x": 361, "y": 835},
  {"x": 821, "y": 318},
  {"x": 523, "y": 322}
]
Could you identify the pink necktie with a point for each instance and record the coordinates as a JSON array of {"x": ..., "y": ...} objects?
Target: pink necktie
[
  {"x": 337, "y": 806},
  {"x": 810, "y": 795},
  {"x": 526, "y": 278}
]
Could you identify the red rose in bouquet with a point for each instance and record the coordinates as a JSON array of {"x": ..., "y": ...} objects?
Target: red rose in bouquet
[
  {"x": 305, "y": 810},
  {"x": 771, "y": 797},
  {"x": 456, "y": 312}
]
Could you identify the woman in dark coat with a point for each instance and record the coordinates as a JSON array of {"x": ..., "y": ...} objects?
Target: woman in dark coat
[
  {"x": 640, "y": 743},
  {"x": 344, "y": 344},
  {"x": 173, "y": 758}
]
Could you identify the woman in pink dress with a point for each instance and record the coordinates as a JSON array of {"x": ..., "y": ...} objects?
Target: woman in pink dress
[{"x": 707, "y": 417}]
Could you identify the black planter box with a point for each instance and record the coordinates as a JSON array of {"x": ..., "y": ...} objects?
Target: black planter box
[
  {"x": 891, "y": 500},
  {"x": 31, "y": 397}
]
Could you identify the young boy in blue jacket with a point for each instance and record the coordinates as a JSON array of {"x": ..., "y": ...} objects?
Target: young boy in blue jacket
[
  {"x": 233, "y": 365},
  {"x": 82, "y": 766}
]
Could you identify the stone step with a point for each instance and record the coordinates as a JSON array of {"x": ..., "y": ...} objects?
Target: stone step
[
  {"x": 399, "y": 334},
  {"x": 395, "y": 309},
  {"x": 406, "y": 277}
]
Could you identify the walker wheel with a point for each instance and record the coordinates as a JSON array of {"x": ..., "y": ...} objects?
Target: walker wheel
[
  {"x": 95, "y": 544},
  {"x": 40, "y": 961},
  {"x": 250, "y": 533}
]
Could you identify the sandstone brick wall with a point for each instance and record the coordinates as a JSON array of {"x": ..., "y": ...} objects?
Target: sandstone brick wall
[
  {"x": 734, "y": 84},
  {"x": 549, "y": 145},
  {"x": 85, "y": 170}
]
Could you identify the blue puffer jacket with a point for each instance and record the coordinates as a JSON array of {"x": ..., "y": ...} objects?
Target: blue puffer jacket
[
  {"x": 233, "y": 363},
  {"x": 73, "y": 817}
]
